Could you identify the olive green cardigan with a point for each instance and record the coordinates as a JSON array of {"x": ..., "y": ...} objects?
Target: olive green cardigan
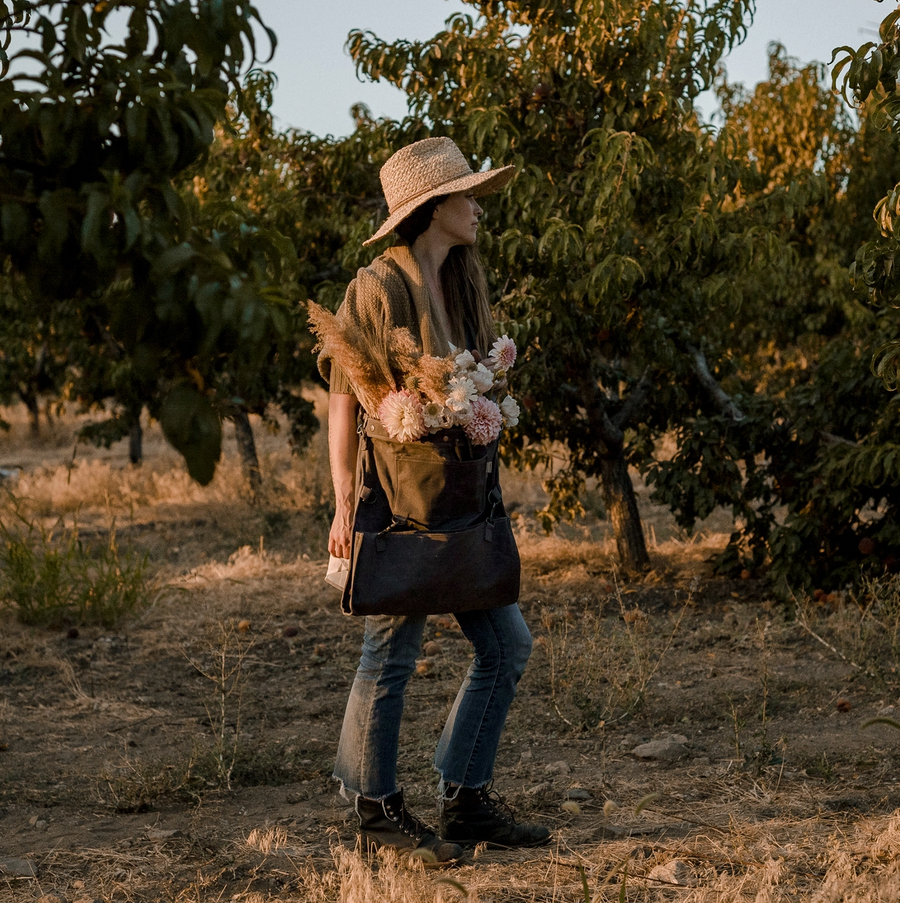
[{"x": 388, "y": 293}]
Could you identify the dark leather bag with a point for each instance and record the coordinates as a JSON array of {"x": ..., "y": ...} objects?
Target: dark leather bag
[{"x": 431, "y": 535}]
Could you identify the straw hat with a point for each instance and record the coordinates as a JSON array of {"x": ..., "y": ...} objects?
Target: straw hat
[{"x": 428, "y": 169}]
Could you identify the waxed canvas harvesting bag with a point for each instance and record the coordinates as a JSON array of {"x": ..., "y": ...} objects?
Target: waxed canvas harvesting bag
[{"x": 430, "y": 535}]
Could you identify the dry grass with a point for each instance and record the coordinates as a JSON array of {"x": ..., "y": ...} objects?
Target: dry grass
[
  {"x": 59, "y": 476},
  {"x": 727, "y": 833},
  {"x": 603, "y": 658},
  {"x": 738, "y": 863},
  {"x": 862, "y": 627}
]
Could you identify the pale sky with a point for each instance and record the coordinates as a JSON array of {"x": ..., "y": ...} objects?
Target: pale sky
[{"x": 318, "y": 85}]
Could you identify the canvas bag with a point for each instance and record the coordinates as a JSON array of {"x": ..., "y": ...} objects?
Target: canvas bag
[{"x": 430, "y": 533}]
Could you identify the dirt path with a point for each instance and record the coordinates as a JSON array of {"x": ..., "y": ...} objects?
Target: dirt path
[{"x": 177, "y": 757}]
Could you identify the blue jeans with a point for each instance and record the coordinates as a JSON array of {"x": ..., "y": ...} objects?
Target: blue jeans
[{"x": 367, "y": 753}]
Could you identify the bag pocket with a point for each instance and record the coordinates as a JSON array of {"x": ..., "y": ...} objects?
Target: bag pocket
[
  {"x": 439, "y": 493},
  {"x": 429, "y": 490}
]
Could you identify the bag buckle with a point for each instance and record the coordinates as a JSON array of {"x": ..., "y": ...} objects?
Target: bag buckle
[{"x": 399, "y": 523}]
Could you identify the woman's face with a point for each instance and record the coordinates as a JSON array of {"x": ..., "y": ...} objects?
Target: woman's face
[{"x": 457, "y": 217}]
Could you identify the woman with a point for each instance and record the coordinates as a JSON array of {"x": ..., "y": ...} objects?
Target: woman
[{"x": 433, "y": 284}]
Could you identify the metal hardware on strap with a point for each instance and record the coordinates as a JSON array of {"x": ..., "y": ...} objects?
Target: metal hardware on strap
[
  {"x": 495, "y": 499},
  {"x": 398, "y": 523}
]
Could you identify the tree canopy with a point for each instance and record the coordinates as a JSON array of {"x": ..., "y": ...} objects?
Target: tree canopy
[
  {"x": 664, "y": 280},
  {"x": 95, "y": 131}
]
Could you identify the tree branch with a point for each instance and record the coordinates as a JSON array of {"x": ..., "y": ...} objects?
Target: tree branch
[
  {"x": 831, "y": 439},
  {"x": 728, "y": 407},
  {"x": 635, "y": 402},
  {"x": 596, "y": 401},
  {"x": 721, "y": 398}
]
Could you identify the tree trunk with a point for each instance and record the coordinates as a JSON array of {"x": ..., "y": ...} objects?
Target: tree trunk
[
  {"x": 246, "y": 444},
  {"x": 34, "y": 411},
  {"x": 618, "y": 491},
  {"x": 621, "y": 504},
  {"x": 136, "y": 441}
]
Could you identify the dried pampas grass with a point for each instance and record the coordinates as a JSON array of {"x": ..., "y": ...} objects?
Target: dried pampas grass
[
  {"x": 375, "y": 369},
  {"x": 362, "y": 358}
]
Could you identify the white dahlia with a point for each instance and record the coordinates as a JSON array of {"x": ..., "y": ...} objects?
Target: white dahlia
[
  {"x": 461, "y": 392},
  {"x": 402, "y": 416},
  {"x": 483, "y": 379},
  {"x": 510, "y": 411}
]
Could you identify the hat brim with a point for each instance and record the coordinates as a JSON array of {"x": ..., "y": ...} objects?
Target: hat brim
[{"x": 481, "y": 182}]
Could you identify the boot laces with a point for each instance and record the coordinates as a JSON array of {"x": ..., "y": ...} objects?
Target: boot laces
[
  {"x": 407, "y": 823},
  {"x": 495, "y": 803}
]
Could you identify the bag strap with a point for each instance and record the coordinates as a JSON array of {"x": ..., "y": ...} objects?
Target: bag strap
[{"x": 495, "y": 499}]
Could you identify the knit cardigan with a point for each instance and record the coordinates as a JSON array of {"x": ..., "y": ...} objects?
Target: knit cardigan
[{"x": 391, "y": 292}]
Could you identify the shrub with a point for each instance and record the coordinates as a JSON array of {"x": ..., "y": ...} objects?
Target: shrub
[{"x": 53, "y": 577}]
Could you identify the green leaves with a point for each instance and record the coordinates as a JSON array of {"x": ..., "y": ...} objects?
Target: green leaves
[
  {"x": 96, "y": 223},
  {"x": 632, "y": 234},
  {"x": 77, "y": 31},
  {"x": 93, "y": 140},
  {"x": 192, "y": 425},
  {"x": 172, "y": 260},
  {"x": 863, "y": 73},
  {"x": 54, "y": 208},
  {"x": 886, "y": 364},
  {"x": 14, "y": 224}
]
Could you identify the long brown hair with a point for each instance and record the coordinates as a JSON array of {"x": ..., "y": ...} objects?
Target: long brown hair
[{"x": 462, "y": 280}]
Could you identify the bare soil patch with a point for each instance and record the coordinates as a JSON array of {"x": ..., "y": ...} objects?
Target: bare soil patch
[{"x": 176, "y": 757}]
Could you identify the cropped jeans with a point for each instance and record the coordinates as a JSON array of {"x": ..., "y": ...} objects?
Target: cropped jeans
[{"x": 367, "y": 753}]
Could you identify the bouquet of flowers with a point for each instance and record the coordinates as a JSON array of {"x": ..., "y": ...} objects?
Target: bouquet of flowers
[{"x": 415, "y": 394}]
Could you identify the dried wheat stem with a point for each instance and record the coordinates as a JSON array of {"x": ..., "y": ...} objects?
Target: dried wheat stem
[{"x": 837, "y": 652}]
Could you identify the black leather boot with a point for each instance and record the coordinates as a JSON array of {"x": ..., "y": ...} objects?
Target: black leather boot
[
  {"x": 479, "y": 815},
  {"x": 386, "y": 823}
]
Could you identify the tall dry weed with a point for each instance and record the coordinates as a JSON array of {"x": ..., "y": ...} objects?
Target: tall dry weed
[
  {"x": 861, "y": 627},
  {"x": 601, "y": 664},
  {"x": 222, "y": 665}
]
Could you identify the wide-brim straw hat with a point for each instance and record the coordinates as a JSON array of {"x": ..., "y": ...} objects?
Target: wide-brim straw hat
[{"x": 429, "y": 169}]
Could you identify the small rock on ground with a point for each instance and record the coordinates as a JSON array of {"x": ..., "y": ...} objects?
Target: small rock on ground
[
  {"x": 674, "y": 872},
  {"x": 663, "y": 750},
  {"x": 578, "y": 793},
  {"x": 161, "y": 834},
  {"x": 18, "y": 868}
]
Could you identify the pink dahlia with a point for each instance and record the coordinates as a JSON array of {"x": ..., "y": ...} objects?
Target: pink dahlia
[
  {"x": 503, "y": 353},
  {"x": 484, "y": 427},
  {"x": 402, "y": 416}
]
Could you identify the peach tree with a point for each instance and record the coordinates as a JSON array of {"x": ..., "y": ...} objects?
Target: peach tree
[
  {"x": 810, "y": 470},
  {"x": 613, "y": 253},
  {"x": 668, "y": 280},
  {"x": 103, "y": 106}
]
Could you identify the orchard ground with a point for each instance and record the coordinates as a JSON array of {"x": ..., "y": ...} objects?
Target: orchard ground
[{"x": 185, "y": 753}]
